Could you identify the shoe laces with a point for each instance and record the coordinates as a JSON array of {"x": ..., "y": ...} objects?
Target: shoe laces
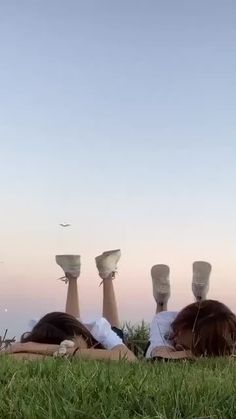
[
  {"x": 64, "y": 279},
  {"x": 113, "y": 275}
]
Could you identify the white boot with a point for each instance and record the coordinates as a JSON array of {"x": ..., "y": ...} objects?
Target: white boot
[
  {"x": 161, "y": 284},
  {"x": 107, "y": 263},
  {"x": 200, "y": 281},
  {"x": 70, "y": 265}
]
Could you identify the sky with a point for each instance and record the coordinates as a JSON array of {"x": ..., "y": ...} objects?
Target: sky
[{"x": 119, "y": 118}]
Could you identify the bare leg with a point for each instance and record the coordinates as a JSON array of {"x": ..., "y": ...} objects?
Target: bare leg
[
  {"x": 72, "y": 299},
  {"x": 71, "y": 267},
  {"x": 107, "y": 266},
  {"x": 110, "y": 311},
  {"x": 161, "y": 307}
]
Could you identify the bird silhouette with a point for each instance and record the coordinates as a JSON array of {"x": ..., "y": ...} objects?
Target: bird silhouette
[{"x": 64, "y": 224}]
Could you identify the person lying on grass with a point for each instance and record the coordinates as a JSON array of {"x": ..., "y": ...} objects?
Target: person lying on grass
[
  {"x": 203, "y": 328},
  {"x": 61, "y": 333}
]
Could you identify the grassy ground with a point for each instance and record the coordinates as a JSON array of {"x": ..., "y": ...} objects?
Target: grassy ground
[{"x": 58, "y": 389}]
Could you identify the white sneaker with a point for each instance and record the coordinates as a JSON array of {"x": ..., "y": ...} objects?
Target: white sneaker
[
  {"x": 70, "y": 265},
  {"x": 160, "y": 283},
  {"x": 107, "y": 263},
  {"x": 200, "y": 281}
]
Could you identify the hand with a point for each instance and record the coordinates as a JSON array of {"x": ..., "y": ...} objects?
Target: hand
[{"x": 125, "y": 353}]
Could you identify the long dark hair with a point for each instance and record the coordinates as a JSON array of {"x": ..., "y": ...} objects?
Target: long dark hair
[
  {"x": 57, "y": 326},
  {"x": 213, "y": 327}
]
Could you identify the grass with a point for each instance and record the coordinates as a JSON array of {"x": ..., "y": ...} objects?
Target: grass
[
  {"x": 136, "y": 337},
  {"x": 60, "y": 388}
]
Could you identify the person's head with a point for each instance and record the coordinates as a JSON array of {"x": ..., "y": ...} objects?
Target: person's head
[
  {"x": 55, "y": 327},
  {"x": 207, "y": 328}
]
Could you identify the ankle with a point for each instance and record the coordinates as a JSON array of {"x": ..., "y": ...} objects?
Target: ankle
[
  {"x": 108, "y": 277},
  {"x": 161, "y": 307},
  {"x": 70, "y": 277}
]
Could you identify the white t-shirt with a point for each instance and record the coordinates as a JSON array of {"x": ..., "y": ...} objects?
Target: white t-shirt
[
  {"x": 101, "y": 330},
  {"x": 160, "y": 330}
]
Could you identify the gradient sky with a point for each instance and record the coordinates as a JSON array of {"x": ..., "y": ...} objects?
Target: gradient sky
[{"x": 118, "y": 117}]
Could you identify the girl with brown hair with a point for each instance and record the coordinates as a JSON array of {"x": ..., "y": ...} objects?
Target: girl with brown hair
[
  {"x": 59, "y": 333},
  {"x": 203, "y": 328}
]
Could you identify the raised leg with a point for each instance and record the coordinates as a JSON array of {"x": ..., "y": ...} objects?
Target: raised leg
[
  {"x": 72, "y": 298},
  {"x": 71, "y": 267},
  {"x": 107, "y": 265},
  {"x": 161, "y": 307},
  {"x": 110, "y": 310}
]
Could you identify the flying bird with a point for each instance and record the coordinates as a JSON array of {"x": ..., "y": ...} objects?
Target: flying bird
[{"x": 64, "y": 224}]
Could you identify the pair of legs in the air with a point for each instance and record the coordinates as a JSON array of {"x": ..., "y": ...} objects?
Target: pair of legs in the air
[
  {"x": 204, "y": 328},
  {"x": 107, "y": 266},
  {"x": 161, "y": 284}
]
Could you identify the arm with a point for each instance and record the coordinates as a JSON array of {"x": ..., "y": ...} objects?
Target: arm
[
  {"x": 118, "y": 353},
  {"x": 164, "y": 352},
  {"x": 32, "y": 347}
]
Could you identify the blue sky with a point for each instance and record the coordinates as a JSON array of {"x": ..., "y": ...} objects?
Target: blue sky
[{"x": 118, "y": 117}]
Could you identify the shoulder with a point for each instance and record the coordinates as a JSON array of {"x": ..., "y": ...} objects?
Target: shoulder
[
  {"x": 100, "y": 327},
  {"x": 100, "y": 323}
]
